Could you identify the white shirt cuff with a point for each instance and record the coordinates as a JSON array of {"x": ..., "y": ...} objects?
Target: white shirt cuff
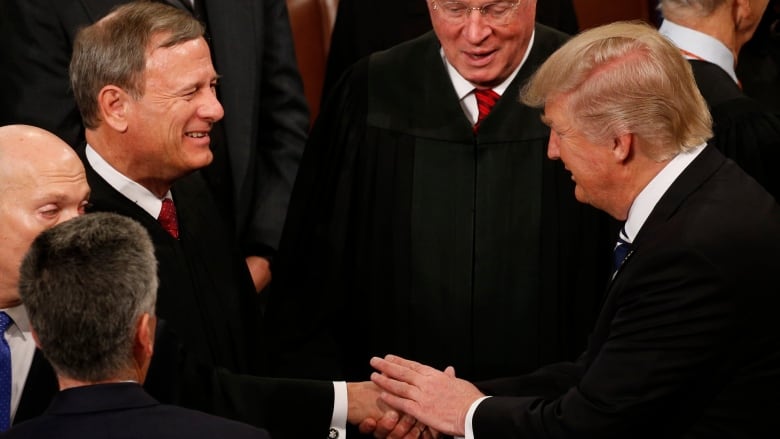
[
  {"x": 338, "y": 422},
  {"x": 469, "y": 429}
]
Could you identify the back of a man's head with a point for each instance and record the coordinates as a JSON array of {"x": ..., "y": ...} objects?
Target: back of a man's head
[
  {"x": 689, "y": 8},
  {"x": 114, "y": 50},
  {"x": 85, "y": 284}
]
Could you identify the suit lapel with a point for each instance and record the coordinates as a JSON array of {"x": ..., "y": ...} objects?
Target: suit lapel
[
  {"x": 696, "y": 174},
  {"x": 699, "y": 171}
]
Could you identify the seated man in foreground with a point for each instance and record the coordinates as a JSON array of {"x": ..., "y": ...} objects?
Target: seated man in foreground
[
  {"x": 90, "y": 287},
  {"x": 687, "y": 344}
]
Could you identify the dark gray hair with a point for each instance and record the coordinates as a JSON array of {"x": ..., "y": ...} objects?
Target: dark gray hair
[
  {"x": 113, "y": 51},
  {"x": 85, "y": 283}
]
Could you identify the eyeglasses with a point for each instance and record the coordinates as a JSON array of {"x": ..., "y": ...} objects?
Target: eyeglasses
[{"x": 494, "y": 13}]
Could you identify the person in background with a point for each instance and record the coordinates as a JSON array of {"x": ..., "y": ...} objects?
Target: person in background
[
  {"x": 411, "y": 210},
  {"x": 687, "y": 344},
  {"x": 89, "y": 286},
  {"x": 711, "y": 34},
  {"x": 256, "y": 147},
  {"x": 42, "y": 183},
  {"x": 146, "y": 88},
  {"x": 759, "y": 60},
  {"x": 366, "y": 26}
]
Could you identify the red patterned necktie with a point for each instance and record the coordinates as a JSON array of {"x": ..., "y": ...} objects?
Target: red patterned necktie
[
  {"x": 168, "y": 219},
  {"x": 485, "y": 101}
]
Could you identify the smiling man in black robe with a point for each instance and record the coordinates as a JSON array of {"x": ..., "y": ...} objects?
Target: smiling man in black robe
[{"x": 407, "y": 214}]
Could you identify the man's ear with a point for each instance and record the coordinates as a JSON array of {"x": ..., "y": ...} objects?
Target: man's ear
[
  {"x": 742, "y": 11},
  {"x": 622, "y": 146},
  {"x": 144, "y": 337},
  {"x": 113, "y": 107}
]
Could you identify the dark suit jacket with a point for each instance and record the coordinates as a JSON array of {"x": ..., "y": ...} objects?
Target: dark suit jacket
[
  {"x": 688, "y": 340},
  {"x": 266, "y": 118},
  {"x": 39, "y": 388},
  {"x": 124, "y": 410},
  {"x": 208, "y": 348}
]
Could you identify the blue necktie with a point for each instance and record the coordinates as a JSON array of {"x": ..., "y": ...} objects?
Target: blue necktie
[
  {"x": 622, "y": 248},
  {"x": 5, "y": 374}
]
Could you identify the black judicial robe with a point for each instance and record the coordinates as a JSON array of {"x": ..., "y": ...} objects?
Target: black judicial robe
[
  {"x": 208, "y": 349},
  {"x": 409, "y": 234},
  {"x": 743, "y": 128}
]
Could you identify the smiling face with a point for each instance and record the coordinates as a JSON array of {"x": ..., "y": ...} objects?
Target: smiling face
[
  {"x": 485, "y": 54},
  {"x": 169, "y": 124},
  {"x": 42, "y": 183},
  {"x": 593, "y": 166}
]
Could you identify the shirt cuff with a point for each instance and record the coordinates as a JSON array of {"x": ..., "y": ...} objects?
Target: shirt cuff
[
  {"x": 468, "y": 428},
  {"x": 338, "y": 422}
]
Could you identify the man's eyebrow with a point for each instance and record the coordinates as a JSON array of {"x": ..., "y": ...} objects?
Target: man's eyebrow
[{"x": 50, "y": 197}]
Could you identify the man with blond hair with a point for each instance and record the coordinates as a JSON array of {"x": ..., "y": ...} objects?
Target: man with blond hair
[{"x": 686, "y": 344}]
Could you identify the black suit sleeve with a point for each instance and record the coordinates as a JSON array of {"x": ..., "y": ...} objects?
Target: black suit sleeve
[{"x": 288, "y": 408}]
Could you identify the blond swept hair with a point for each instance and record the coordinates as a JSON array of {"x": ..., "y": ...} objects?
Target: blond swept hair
[{"x": 621, "y": 78}]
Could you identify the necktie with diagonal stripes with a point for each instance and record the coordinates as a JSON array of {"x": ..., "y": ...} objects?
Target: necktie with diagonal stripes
[{"x": 486, "y": 99}]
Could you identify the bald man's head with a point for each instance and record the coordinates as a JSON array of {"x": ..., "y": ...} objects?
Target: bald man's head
[{"x": 42, "y": 183}]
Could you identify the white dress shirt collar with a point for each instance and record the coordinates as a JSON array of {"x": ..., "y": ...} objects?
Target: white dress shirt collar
[
  {"x": 645, "y": 202},
  {"x": 127, "y": 187},
  {"x": 700, "y": 46}
]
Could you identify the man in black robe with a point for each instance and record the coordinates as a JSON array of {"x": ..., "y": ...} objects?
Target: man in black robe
[
  {"x": 363, "y": 27},
  {"x": 711, "y": 35},
  {"x": 405, "y": 216}
]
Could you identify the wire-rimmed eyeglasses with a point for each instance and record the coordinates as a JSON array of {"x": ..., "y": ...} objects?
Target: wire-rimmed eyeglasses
[{"x": 494, "y": 13}]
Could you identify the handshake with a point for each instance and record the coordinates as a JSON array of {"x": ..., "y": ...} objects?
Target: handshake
[{"x": 408, "y": 400}]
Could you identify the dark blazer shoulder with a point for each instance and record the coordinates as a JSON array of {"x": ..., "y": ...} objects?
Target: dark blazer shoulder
[
  {"x": 39, "y": 388},
  {"x": 715, "y": 85}
]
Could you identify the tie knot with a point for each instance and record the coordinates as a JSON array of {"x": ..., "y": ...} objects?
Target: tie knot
[
  {"x": 5, "y": 321},
  {"x": 167, "y": 218},
  {"x": 486, "y": 99}
]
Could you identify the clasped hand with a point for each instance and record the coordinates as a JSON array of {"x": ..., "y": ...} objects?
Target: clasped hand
[{"x": 435, "y": 398}]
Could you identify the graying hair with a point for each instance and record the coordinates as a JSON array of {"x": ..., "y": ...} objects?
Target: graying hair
[
  {"x": 113, "y": 51},
  {"x": 85, "y": 283},
  {"x": 688, "y": 8}
]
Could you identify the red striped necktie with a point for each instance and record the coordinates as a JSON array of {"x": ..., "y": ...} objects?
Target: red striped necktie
[{"x": 485, "y": 100}]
